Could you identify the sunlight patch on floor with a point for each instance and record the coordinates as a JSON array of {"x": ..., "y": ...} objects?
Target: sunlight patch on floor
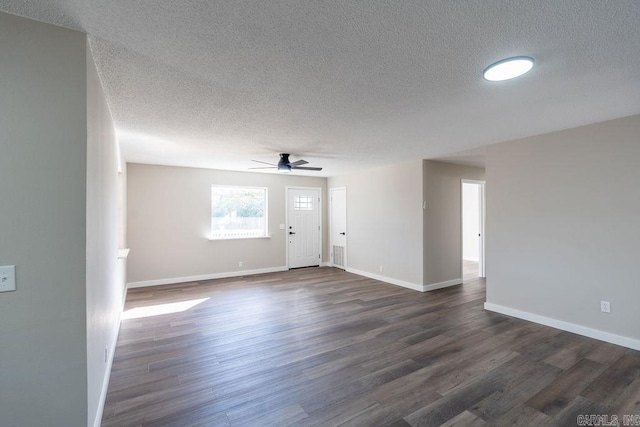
[{"x": 160, "y": 309}]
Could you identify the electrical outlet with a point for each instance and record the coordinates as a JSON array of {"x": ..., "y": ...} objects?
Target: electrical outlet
[
  {"x": 239, "y": 263},
  {"x": 605, "y": 306},
  {"x": 381, "y": 269},
  {"x": 8, "y": 278}
]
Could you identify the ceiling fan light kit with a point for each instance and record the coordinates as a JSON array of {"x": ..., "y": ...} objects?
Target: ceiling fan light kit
[{"x": 285, "y": 166}]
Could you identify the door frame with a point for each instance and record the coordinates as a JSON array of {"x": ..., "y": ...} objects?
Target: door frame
[
  {"x": 482, "y": 272},
  {"x": 286, "y": 219},
  {"x": 346, "y": 225}
]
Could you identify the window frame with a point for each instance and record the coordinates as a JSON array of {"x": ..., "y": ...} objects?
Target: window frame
[{"x": 265, "y": 235}]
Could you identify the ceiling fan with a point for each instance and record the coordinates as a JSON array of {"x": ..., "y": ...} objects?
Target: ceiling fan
[{"x": 284, "y": 165}]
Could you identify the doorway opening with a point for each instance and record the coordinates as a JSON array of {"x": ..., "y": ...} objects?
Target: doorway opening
[{"x": 473, "y": 263}]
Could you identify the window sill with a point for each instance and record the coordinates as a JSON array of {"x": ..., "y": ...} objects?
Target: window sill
[
  {"x": 123, "y": 253},
  {"x": 211, "y": 239}
]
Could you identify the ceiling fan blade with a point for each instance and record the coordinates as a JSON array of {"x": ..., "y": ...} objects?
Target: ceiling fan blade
[
  {"x": 270, "y": 164},
  {"x": 266, "y": 167},
  {"x": 298, "y": 163},
  {"x": 303, "y": 168}
]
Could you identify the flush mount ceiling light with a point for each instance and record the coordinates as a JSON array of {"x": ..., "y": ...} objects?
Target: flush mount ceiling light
[{"x": 509, "y": 68}]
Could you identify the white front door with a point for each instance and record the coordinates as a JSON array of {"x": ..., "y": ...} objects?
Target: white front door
[
  {"x": 339, "y": 227},
  {"x": 303, "y": 227}
]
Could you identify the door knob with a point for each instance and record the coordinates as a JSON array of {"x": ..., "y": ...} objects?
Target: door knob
[
  {"x": 292, "y": 232},
  {"x": 343, "y": 233}
]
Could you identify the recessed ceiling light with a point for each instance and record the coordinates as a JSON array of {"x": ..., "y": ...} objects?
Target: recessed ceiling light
[{"x": 509, "y": 68}]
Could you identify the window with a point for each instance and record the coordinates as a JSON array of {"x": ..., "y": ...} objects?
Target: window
[
  {"x": 238, "y": 212},
  {"x": 303, "y": 203}
]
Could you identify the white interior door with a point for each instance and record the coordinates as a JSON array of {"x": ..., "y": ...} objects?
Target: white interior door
[
  {"x": 339, "y": 227},
  {"x": 303, "y": 227}
]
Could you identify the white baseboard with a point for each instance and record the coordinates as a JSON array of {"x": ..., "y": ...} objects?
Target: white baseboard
[
  {"x": 565, "y": 326},
  {"x": 409, "y": 285},
  {"x": 390, "y": 280},
  {"x": 212, "y": 276},
  {"x": 326, "y": 264},
  {"x": 440, "y": 285}
]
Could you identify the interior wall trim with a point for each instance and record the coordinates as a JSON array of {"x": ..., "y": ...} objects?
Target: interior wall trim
[
  {"x": 174, "y": 280},
  {"x": 565, "y": 326},
  {"x": 405, "y": 284},
  {"x": 391, "y": 280},
  {"x": 440, "y": 285}
]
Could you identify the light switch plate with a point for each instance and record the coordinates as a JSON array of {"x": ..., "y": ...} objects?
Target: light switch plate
[
  {"x": 281, "y": 226},
  {"x": 8, "y": 278}
]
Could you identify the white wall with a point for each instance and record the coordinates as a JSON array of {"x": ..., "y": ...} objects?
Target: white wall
[
  {"x": 563, "y": 225},
  {"x": 384, "y": 221},
  {"x": 443, "y": 220},
  {"x": 43, "y": 170},
  {"x": 470, "y": 222},
  {"x": 169, "y": 221},
  {"x": 105, "y": 283}
]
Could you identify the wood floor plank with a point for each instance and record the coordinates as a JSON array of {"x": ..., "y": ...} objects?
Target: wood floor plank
[
  {"x": 605, "y": 353},
  {"x": 323, "y": 347},
  {"x": 465, "y": 419},
  {"x": 341, "y": 413},
  {"x": 557, "y": 395},
  {"x": 579, "y": 406},
  {"x": 289, "y": 415},
  {"x": 523, "y": 416},
  {"x": 360, "y": 386},
  {"x": 390, "y": 411},
  {"x": 628, "y": 403},
  {"x": 615, "y": 379},
  {"x": 451, "y": 405},
  {"x": 529, "y": 379}
]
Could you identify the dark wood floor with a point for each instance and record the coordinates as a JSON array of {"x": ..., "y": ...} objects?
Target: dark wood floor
[{"x": 323, "y": 347}]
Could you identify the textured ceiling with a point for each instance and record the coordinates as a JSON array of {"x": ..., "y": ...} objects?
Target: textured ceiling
[{"x": 348, "y": 84}]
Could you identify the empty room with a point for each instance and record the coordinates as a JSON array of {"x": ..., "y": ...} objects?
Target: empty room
[{"x": 319, "y": 213}]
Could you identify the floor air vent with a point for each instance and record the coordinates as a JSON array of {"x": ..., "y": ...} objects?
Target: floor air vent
[{"x": 338, "y": 256}]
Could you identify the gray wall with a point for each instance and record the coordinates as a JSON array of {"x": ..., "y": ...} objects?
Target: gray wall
[
  {"x": 384, "y": 221},
  {"x": 43, "y": 165},
  {"x": 169, "y": 221},
  {"x": 105, "y": 283},
  {"x": 443, "y": 219},
  {"x": 563, "y": 225}
]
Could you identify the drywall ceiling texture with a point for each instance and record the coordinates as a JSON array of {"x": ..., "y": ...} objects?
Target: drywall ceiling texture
[{"x": 348, "y": 85}]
